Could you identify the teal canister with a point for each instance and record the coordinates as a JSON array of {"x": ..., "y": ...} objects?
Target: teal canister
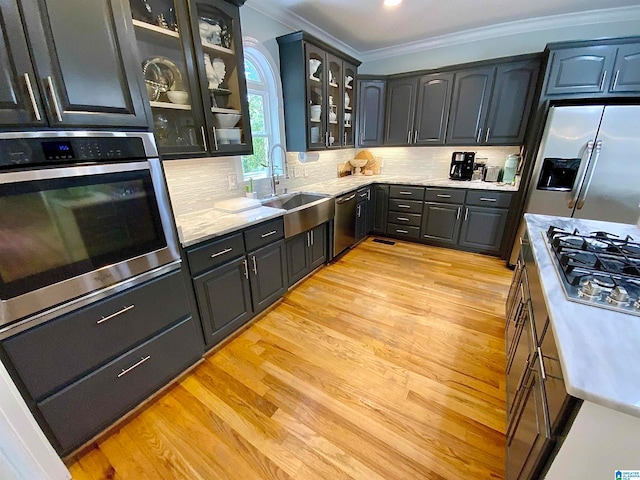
[{"x": 510, "y": 166}]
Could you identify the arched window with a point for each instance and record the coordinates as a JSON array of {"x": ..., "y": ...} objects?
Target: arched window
[{"x": 264, "y": 93}]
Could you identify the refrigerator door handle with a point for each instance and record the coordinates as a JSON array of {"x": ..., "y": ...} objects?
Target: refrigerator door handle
[
  {"x": 578, "y": 185},
  {"x": 594, "y": 164}
]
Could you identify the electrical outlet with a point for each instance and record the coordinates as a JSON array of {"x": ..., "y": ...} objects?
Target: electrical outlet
[{"x": 233, "y": 181}]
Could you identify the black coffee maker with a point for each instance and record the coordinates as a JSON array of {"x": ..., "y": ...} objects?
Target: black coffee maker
[{"x": 462, "y": 165}]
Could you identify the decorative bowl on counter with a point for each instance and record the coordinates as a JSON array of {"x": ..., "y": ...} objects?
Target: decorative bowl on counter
[
  {"x": 226, "y": 120},
  {"x": 358, "y": 163}
]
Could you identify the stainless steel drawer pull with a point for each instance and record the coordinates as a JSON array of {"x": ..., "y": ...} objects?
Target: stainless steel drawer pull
[
  {"x": 363, "y": 195},
  {"x": 442, "y": 195},
  {"x": 272, "y": 232},
  {"x": 485, "y": 199},
  {"x": 226, "y": 250},
  {"x": 32, "y": 97},
  {"x": 255, "y": 267},
  {"x": 312, "y": 239},
  {"x": 404, "y": 206},
  {"x": 466, "y": 214},
  {"x": 404, "y": 193},
  {"x": 246, "y": 269},
  {"x": 113, "y": 315},
  {"x": 54, "y": 97},
  {"x": 404, "y": 219},
  {"x": 204, "y": 138},
  {"x": 135, "y": 365},
  {"x": 544, "y": 374},
  {"x": 401, "y": 231}
]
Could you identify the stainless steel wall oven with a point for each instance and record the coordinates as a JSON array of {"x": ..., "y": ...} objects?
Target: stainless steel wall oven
[{"x": 81, "y": 213}]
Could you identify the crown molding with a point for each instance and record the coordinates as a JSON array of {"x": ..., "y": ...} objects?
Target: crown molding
[
  {"x": 566, "y": 20},
  {"x": 296, "y": 22}
]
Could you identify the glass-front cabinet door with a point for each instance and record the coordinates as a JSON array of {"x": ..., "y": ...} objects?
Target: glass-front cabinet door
[
  {"x": 348, "y": 137},
  {"x": 220, "y": 62},
  {"x": 335, "y": 102},
  {"x": 317, "y": 104},
  {"x": 162, "y": 30}
]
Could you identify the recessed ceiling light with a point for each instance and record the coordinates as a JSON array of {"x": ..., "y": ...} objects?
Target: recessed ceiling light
[{"x": 392, "y": 3}]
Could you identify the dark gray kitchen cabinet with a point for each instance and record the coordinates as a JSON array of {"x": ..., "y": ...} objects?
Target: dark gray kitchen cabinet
[
  {"x": 380, "y": 198},
  {"x": 580, "y": 70},
  {"x": 482, "y": 228},
  {"x": 224, "y": 296},
  {"x": 511, "y": 101},
  {"x": 400, "y": 107},
  {"x": 441, "y": 222},
  {"x": 432, "y": 109},
  {"x": 470, "y": 105},
  {"x": 268, "y": 274},
  {"x": 20, "y": 100},
  {"x": 87, "y": 74},
  {"x": 626, "y": 76},
  {"x": 363, "y": 215},
  {"x": 370, "y": 108},
  {"x": 306, "y": 252}
]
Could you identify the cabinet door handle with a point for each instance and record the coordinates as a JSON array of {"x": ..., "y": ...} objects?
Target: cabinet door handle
[
  {"x": 409, "y": 137},
  {"x": 113, "y": 315},
  {"x": 308, "y": 239},
  {"x": 441, "y": 195},
  {"x": 604, "y": 75},
  {"x": 415, "y": 137},
  {"x": 326, "y": 138},
  {"x": 615, "y": 80},
  {"x": 401, "y": 231},
  {"x": 215, "y": 138},
  {"x": 312, "y": 239},
  {"x": 544, "y": 374},
  {"x": 479, "y": 135},
  {"x": 466, "y": 214},
  {"x": 404, "y": 193},
  {"x": 32, "y": 97},
  {"x": 486, "y": 137},
  {"x": 246, "y": 269},
  {"x": 404, "y": 206},
  {"x": 255, "y": 267},
  {"x": 358, "y": 214},
  {"x": 485, "y": 199},
  {"x": 268, "y": 234},
  {"x": 54, "y": 98},
  {"x": 458, "y": 215},
  {"x": 135, "y": 365},
  {"x": 345, "y": 138},
  {"x": 226, "y": 250},
  {"x": 204, "y": 138},
  {"x": 403, "y": 219}
]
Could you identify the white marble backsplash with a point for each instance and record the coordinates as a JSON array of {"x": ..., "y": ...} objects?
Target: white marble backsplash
[{"x": 194, "y": 184}]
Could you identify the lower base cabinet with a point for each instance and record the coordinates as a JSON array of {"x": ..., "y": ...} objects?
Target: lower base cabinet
[
  {"x": 306, "y": 252},
  {"x": 441, "y": 222},
  {"x": 268, "y": 275},
  {"x": 380, "y": 208},
  {"x": 482, "y": 228}
]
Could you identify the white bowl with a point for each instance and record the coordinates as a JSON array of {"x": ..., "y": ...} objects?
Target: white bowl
[
  {"x": 226, "y": 120},
  {"x": 358, "y": 162},
  {"x": 316, "y": 111},
  {"x": 229, "y": 135},
  {"x": 178, "y": 96}
]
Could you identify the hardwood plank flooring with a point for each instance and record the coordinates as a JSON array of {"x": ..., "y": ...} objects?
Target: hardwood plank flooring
[{"x": 387, "y": 364}]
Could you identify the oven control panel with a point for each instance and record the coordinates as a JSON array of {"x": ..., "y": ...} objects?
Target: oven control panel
[{"x": 22, "y": 152}]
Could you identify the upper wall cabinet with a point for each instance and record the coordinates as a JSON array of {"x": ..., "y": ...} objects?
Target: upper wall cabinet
[
  {"x": 81, "y": 72},
  {"x": 595, "y": 69},
  {"x": 432, "y": 109},
  {"x": 491, "y": 105},
  {"x": 401, "y": 103},
  {"x": 370, "y": 107},
  {"x": 319, "y": 89},
  {"x": 191, "y": 59}
]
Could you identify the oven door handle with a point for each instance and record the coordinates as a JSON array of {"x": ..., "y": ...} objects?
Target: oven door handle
[{"x": 578, "y": 185}]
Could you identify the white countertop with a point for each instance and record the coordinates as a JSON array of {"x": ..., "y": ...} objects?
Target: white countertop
[
  {"x": 207, "y": 223},
  {"x": 599, "y": 349}
]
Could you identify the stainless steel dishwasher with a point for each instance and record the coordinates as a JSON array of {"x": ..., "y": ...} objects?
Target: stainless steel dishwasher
[{"x": 344, "y": 223}]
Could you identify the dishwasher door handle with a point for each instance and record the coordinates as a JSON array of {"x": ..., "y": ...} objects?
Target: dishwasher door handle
[{"x": 345, "y": 200}]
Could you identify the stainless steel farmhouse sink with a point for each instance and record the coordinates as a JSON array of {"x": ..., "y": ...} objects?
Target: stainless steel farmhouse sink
[{"x": 304, "y": 211}]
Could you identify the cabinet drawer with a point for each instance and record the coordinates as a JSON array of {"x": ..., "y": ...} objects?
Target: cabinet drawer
[
  {"x": 405, "y": 206},
  {"x": 445, "y": 195},
  {"x": 62, "y": 350},
  {"x": 364, "y": 194},
  {"x": 87, "y": 406},
  {"x": 411, "y": 219},
  {"x": 406, "y": 193},
  {"x": 215, "y": 253},
  {"x": 264, "y": 233},
  {"x": 403, "y": 231},
  {"x": 489, "y": 199}
]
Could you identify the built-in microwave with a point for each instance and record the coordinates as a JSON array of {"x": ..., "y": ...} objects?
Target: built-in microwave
[{"x": 70, "y": 230}]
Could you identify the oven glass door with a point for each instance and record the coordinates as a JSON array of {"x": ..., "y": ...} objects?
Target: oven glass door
[{"x": 64, "y": 223}]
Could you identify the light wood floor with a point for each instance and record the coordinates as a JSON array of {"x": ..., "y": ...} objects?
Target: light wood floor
[{"x": 387, "y": 364}]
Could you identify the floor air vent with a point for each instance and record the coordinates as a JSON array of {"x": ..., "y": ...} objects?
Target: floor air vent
[{"x": 386, "y": 242}]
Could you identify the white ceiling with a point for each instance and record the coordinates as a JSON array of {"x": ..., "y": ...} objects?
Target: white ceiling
[{"x": 367, "y": 27}]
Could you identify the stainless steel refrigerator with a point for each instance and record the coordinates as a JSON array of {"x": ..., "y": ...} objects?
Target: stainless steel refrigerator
[{"x": 588, "y": 165}]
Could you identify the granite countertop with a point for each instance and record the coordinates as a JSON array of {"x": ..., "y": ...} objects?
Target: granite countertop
[
  {"x": 201, "y": 225},
  {"x": 338, "y": 186},
  {"x": 599, "y": 349}
]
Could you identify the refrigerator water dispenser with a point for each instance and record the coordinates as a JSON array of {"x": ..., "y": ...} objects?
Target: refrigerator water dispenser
[{"x": 558, "y": 174}]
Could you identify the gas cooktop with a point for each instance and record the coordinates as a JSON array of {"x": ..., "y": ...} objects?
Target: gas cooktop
[{"x": 598, "y": 268}]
